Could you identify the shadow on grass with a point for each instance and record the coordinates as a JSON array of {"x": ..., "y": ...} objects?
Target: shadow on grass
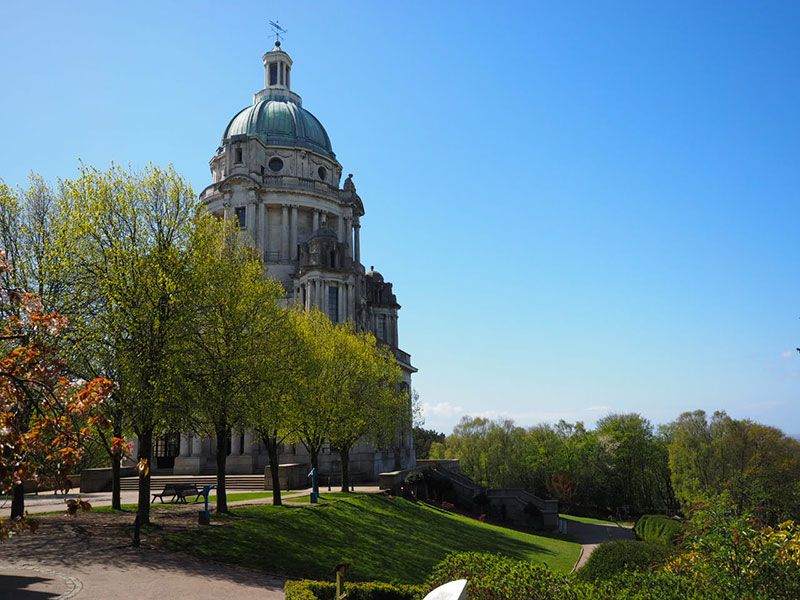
[{"x": 381, "y": 537}]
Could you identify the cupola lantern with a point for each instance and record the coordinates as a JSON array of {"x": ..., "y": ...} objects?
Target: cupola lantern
[{"x": 277, "y": 66}]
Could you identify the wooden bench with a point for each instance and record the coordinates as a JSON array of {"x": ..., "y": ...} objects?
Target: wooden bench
[{"x": 177, "y": 492}]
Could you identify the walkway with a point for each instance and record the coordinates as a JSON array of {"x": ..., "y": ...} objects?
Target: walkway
[
  {"x": 591, "y": 535},
  {"x": 87, "y": 558}
]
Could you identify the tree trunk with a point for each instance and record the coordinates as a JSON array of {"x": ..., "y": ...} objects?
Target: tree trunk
[
  {"x": 272, "y": 452},
  {"x": 314, "y": 452},
  {"x": 116, "y": 501},
  {"x": 145, "y": 453},
  {"x": 344, "y": 455},
  {"x": 222, "y": 457},
  {"x": 18, "y": 501}
]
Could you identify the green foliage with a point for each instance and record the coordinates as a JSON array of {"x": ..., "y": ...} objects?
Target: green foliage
[
  {"x": 612, "y": 558},
  {"x": 656, "y": 585},
  {"x": 659, "y": 529},
  {"x": 383, "y": 538},
  {"x": 757, "y": 465},
  {"x": 493, "y": 577},
  {"x": 423, "y": 438},
  {"x": 370, "y": 590},
  {"x": 620, "y": 468},
  {"x": 733, "y": 553},
  {"x": 497, "y": 577}
]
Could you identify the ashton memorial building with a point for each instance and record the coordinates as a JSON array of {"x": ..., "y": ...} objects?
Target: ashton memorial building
[{"x": 275, "y": 172}]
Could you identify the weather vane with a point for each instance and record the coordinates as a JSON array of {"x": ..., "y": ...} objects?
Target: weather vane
[{"x": 278, "y": 31}]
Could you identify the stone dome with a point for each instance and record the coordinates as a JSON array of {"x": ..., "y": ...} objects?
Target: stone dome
[
  {"x": 374, "y": 274},
  {"x": 278, "y": 121}
]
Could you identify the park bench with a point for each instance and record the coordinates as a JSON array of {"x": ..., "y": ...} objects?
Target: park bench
[{"x": 177, "y": 492}]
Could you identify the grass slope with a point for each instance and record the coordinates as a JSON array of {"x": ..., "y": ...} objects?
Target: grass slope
[{"x": 383, "y": 538}]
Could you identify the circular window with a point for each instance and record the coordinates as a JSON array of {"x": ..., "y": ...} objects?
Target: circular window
[
  {"x": 322, "y": 173},
  {"x": 275, "y": 164}
]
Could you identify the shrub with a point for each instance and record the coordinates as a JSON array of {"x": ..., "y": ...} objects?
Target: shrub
[
  {"x": 656, "y": 585},
  {"x": 372, "y": 590},
  {"x": 495, "y": 577},
  {"x": 658, "y": 528},
  {"x": 613, "y": 558}
]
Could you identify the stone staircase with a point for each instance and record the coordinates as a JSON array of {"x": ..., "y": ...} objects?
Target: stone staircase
[{"x": 233, "y": 482}]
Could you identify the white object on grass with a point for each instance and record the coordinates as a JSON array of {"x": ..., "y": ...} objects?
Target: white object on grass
[{"x": 454, "y": 590}]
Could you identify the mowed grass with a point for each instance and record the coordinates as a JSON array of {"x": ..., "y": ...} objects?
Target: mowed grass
[
  {"x": 325, "y": 497},
  {"x": 211, "y": 502},
  {"x": 592, "y": 521},
  {"x": 382, "y": 538}
]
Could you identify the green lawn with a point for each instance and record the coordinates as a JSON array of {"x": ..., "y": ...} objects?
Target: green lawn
[
  {"x": 383, "y": 538},
  {"x": 594, "y": 521},
  {"x": 211, "y": 500},
  {"x": 324, "y": 497}
]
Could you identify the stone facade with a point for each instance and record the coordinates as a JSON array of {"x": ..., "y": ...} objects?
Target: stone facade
[{"x": 275, "y": 173}]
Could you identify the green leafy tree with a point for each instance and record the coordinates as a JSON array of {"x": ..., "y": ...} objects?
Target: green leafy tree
[
  {"x": 130, "y": 231},
  {"x": 231, "y": 316},
  {"x": 757, "y": 465},
  {"x": 424, "y": 438},
  {"x": 371, "y": 402}
]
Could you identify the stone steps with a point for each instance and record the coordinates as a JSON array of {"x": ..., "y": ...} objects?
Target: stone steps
[{"x": 233, "y": 482}]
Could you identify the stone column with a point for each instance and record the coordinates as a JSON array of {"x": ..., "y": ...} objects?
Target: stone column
[
  {"x": 184, "y": 448},
  {"x": 348, "y": 238},
  {"x": 342, "y": 298},
  {"x": 341, "y": 229},
  {"x": 265, "y": 228},
  {"x": 357, "y": 226},
  {"x": 394, "y": 331},
  {"x": 316, "y": 221},
  {"x": 293, "y": 235},
  {"x": 250, "y": 446},
  {"x": 251, "y": 215},
  {"x": 236, "y": 443},
  {"x": 197, "y": 446},
  {"x": 284, "y": 232}
]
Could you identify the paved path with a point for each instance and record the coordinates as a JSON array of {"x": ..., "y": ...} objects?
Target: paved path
[
  {"x": 591, "y": 535},
  {"x": 86, "y": 558}
]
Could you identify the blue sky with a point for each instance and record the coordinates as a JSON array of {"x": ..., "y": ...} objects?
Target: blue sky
[{"x": 584, "y": 207}]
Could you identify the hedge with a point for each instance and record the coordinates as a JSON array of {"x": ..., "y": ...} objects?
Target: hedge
[
  {"x": 658, "y": 528},
  {"x": 372, "y": 590},
  {"x": 612, "y": 558},
  {"x": 496, "y": 577}
]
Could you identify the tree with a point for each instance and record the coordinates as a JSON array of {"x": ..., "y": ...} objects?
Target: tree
[
  {"x": 45, "y": 417},
  {"x": 231, "y": 317},
  {"x": 324, "y": 375},
  {"x": 370, "y": 400},
  {"x": 130, "y": 232},
  {"x": 282, "y": 382},
  {"x": 757, "y": 465},
  {"x": 424, "y": 438}
]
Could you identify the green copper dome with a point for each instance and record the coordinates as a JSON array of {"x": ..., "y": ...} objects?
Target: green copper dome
[{"x": 278, "y": 121}]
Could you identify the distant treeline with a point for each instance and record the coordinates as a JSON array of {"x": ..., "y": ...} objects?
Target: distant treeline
[{"x": 625, "y": 465}]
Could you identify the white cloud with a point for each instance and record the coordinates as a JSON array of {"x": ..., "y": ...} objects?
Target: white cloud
[
  {"x": 787, "y": 354},
  {"x": 596, "y": 408},
  {"x": 440, "y": 409}
]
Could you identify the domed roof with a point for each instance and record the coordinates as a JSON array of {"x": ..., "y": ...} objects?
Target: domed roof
[
  {"x": 278, "y": 121},
  {"x": 373, "y": 273}
]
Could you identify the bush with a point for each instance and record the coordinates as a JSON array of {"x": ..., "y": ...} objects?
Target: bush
[
  {"x": 372, "y": 590},
  {"x": 658, "y": 528},
  {"x": 649, "y": 586},
  {"x": 495, "y": 577},
  {"x": 613, "y": 558}
]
